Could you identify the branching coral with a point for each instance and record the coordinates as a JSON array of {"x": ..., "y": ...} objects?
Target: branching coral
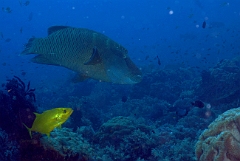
[{"x": 221, "y": 141}]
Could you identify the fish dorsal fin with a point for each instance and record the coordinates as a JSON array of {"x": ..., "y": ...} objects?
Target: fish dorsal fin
[
  {"x": 37, "y": 114},
  {"x": 95, "y": 58},
  {"x": 56, "y": 28}
]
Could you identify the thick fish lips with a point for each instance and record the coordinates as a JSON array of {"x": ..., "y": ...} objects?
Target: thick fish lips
[
  {"x": 137, "y": 78},
  {"x": 127, "y": 74},
  {"x": 136, "y": 74}
]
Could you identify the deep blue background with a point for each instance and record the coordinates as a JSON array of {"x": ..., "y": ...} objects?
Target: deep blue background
[{"x": 144, "y": 27}]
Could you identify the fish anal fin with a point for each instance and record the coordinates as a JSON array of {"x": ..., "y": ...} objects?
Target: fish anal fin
[
  {"x": 29, "y": 130},
  {"x": 53, "y": 29},
  {"x": 79, "y": 78},
  {"x": 48, "y": 135},
  {"x": 95, "y": 58},
  {"x": 41, "y": 59}
]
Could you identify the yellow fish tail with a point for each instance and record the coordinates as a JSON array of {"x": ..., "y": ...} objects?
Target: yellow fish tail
[{"x": 29, "y": 130}]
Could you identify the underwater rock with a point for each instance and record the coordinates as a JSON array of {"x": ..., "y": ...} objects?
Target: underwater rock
[{"x": 33, "y": 150}]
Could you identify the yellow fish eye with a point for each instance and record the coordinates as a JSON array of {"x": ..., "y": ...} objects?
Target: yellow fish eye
[{"x": 64, "y": 111}]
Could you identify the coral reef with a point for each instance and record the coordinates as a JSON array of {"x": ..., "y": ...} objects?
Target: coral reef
[
  {"x": 147, "y": 107},
  {"x": 18, "y": 90},
  {"x": 16, "y": 108},
  {"x": 8, "y": 149},
  {"x": 62, "y": 145},
  {"x": 126, "y": 137},
  {"x": 220, "y": 141},
  {"x": 165, "y": 84},
  {"x": 145, "y": 126},
  {"x": 69, "y": 145},
  {"x": 221, "y": 83}
]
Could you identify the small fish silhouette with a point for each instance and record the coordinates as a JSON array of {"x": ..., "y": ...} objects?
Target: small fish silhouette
[{"x": 204, "y": 24}]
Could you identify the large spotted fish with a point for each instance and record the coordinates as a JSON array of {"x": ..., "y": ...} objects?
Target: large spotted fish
[{"x": 89, "y": 53}]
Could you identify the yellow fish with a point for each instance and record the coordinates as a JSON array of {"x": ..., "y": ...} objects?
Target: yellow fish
[
  {"x": 89, "y": 53},
  {"x": 47, "y": 121}
]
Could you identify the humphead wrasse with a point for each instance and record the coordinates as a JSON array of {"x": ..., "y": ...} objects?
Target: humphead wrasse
[
  {"x": 47, "y": 121},
  {"x": 87, "y": 52}
]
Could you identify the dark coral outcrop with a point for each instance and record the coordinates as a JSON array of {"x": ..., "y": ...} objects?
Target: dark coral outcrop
[{"x": 221, "y": 84}]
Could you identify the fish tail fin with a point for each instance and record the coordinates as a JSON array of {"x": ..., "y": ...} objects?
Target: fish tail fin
[
  {"x": 28, "y": 47},
  {"x": 29, "y": 130}
]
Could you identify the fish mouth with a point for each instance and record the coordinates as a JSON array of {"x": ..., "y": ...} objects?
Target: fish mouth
[
  {"x": 137, "y": 78},
  {"x": 135, "y": 72},
  {"x": 117, "y": 76},
  {"x": 70, "y": 112}
]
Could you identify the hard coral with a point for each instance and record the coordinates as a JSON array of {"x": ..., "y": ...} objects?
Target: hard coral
[
  {"x": 221, "y": 141},
  {"x": 68, "y": 144},
  {"x": 125, "y": 139},
  {"x": 114, "y": 130}
]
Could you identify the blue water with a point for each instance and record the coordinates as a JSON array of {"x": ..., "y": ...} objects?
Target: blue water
[
  {"x": 143, "y": 27},
  {"x": 171, "y": 30}
]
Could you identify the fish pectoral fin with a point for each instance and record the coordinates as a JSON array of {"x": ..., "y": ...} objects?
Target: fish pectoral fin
[
  {"x": 79, "y": 78},
  {"x": 95, "y": 58},
  {"x": 56, "y": 28}
]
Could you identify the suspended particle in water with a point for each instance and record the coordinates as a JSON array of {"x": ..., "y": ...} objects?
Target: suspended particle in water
[{"x": 208, "y": 105}]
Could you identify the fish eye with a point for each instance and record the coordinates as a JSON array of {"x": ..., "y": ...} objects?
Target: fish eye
[{"x": 64, "y": 111}]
